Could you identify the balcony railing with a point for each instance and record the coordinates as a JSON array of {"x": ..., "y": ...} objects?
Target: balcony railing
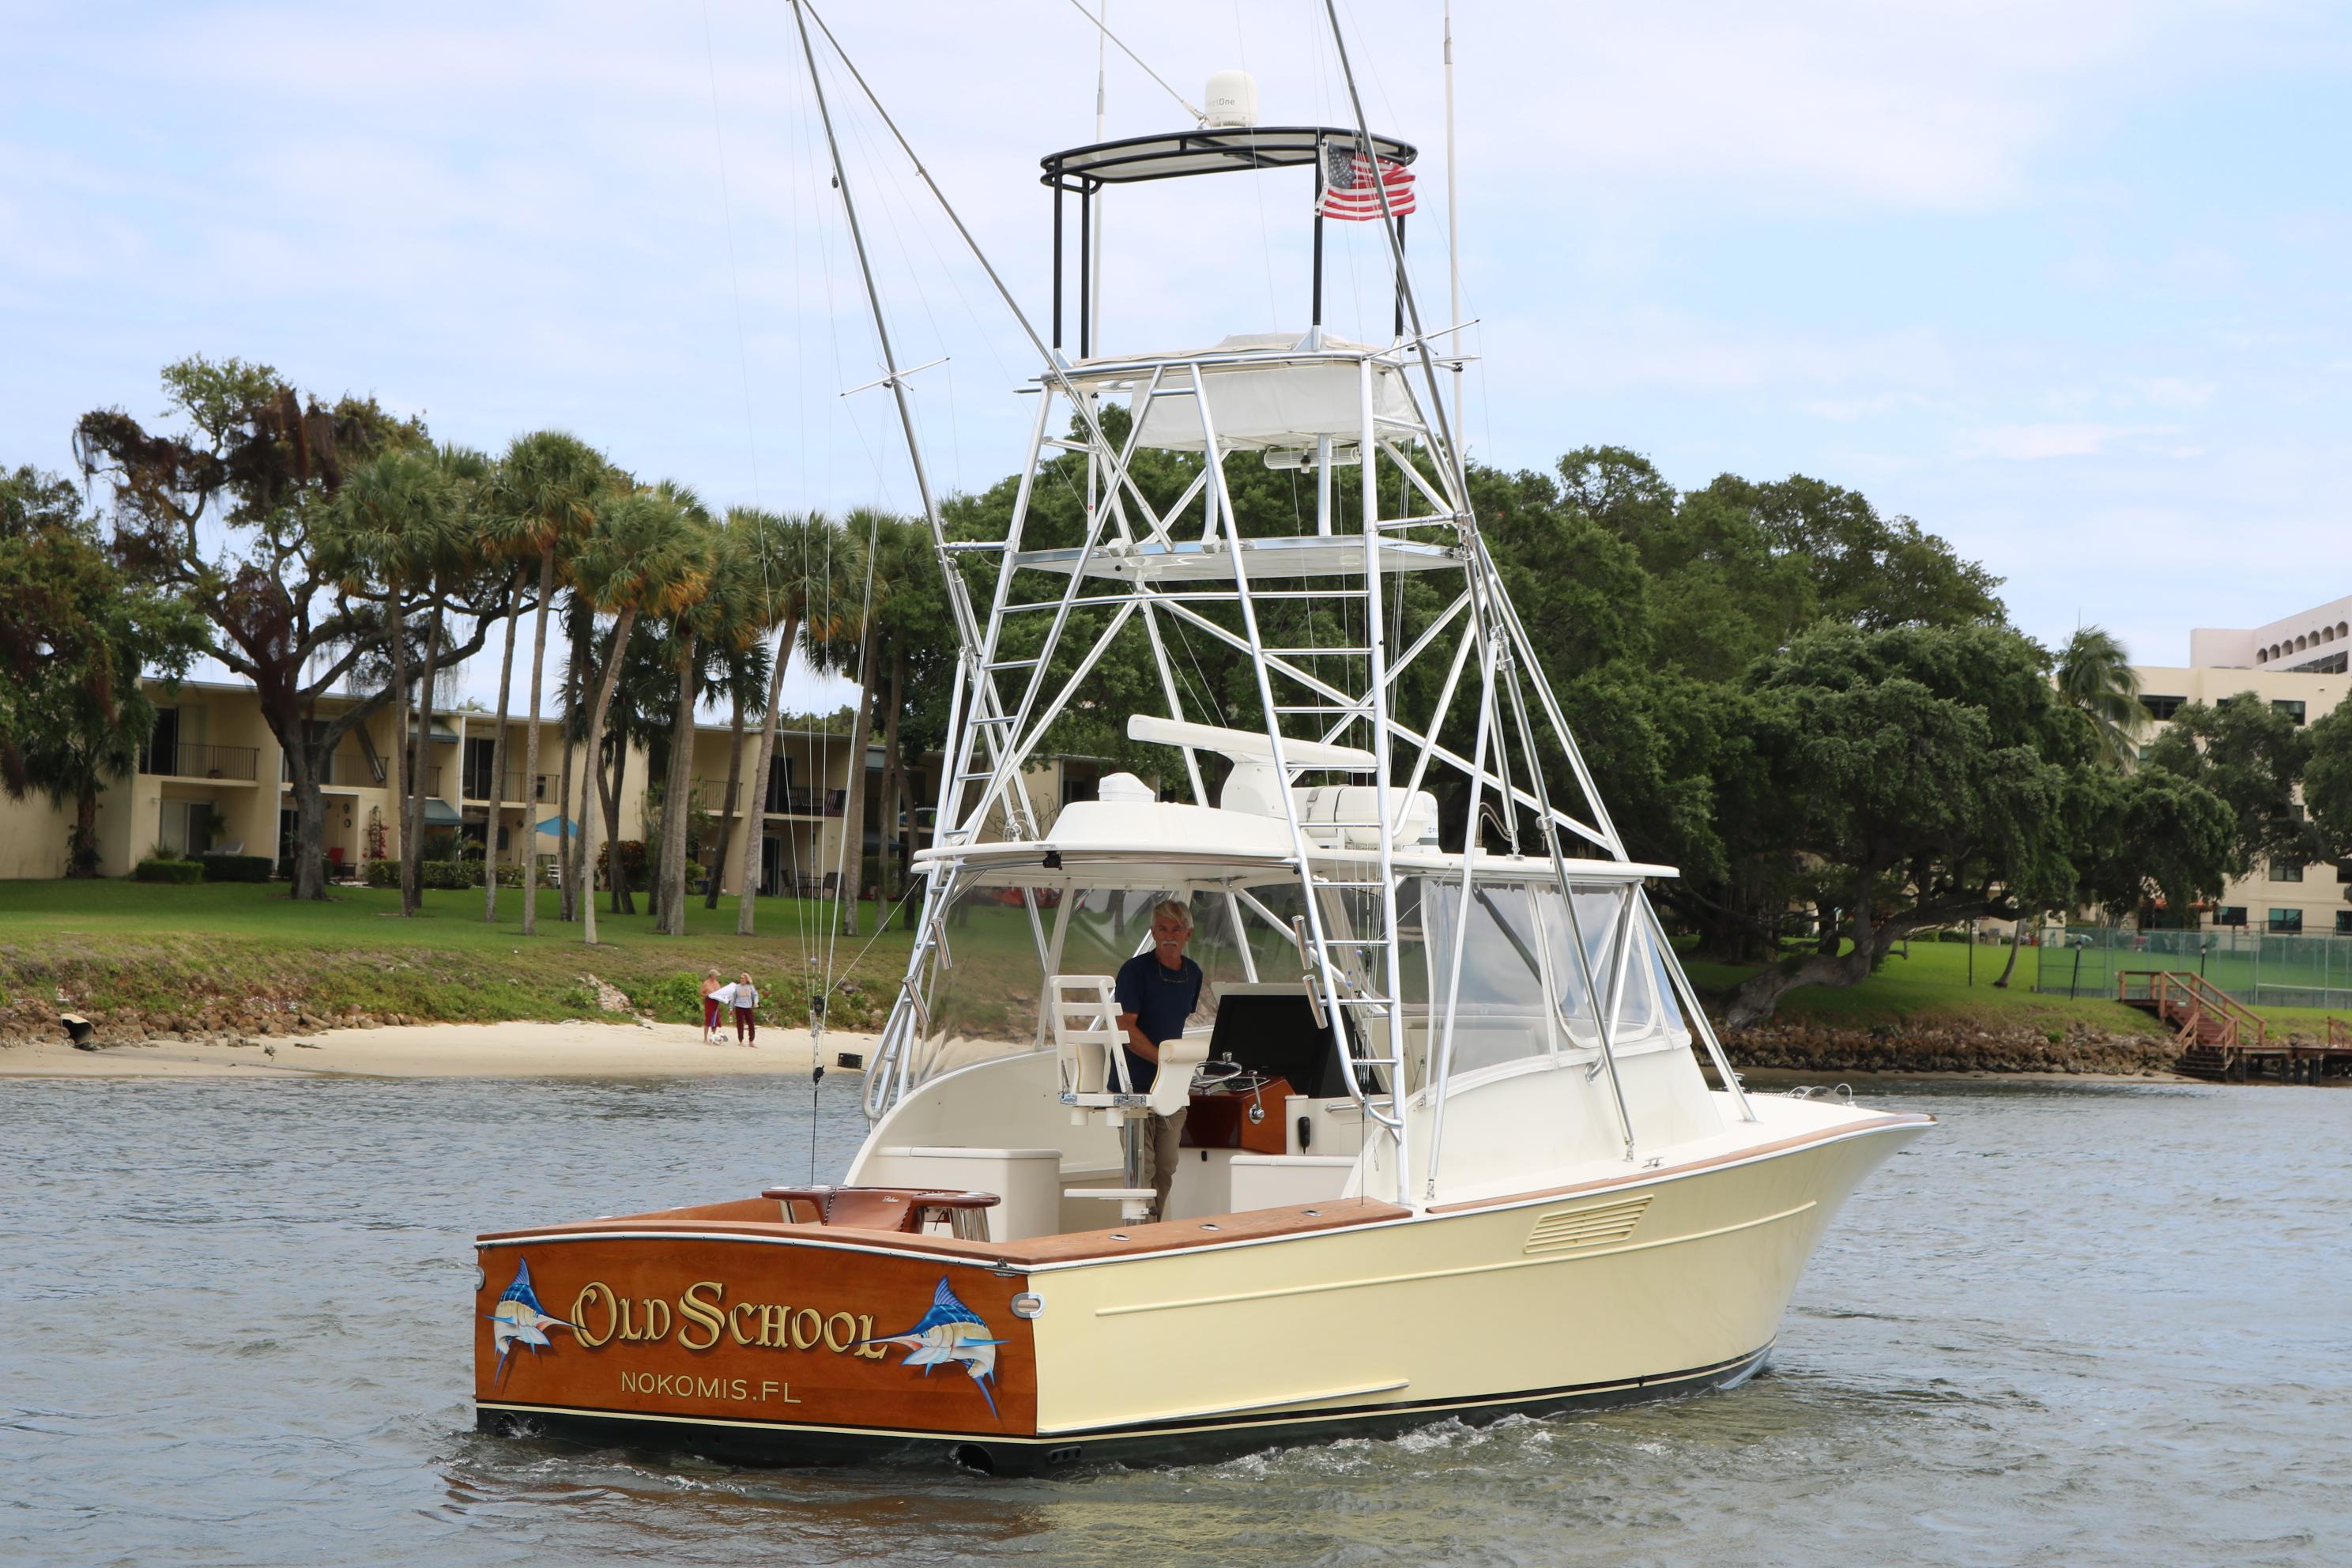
[
  {"x": 347, "y": 770},
  {"x": 477, "y": 784},
  {"x": 187, "y": 760},
  {"x": 781, "y": 801}
]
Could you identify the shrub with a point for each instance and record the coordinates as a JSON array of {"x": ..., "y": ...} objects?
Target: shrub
[
  {"x": 632, "y": 863},
  {"x": 674, "y": 998},
  {"x": 163, "y": 869},
  {"x": 235, "y": 868},
  {"x": 443, "y": 874}
]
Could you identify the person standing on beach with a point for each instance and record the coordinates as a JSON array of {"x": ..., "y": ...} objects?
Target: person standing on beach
[
  {"x": 710, "y": 1005},
  {"x": 746, "y": 1016}
]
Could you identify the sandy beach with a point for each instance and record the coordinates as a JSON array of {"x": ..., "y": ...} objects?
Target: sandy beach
[{"x": 571, "y": 1049}]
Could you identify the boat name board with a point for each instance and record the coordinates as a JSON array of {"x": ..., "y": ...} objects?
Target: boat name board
[{"x": 600, "y": 1315}]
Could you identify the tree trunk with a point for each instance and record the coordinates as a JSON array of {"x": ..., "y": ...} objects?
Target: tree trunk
[
  {"x": 755, "y": 809},
  {"x": 729, "y": 805},
  {"x": 2016, "y": 941},
  {"x": 531, "y": 808},
  {"x": 619, "y": 885},
  {"x": 913, "y": 917},
  {"x": 567, "y": 875},
  {"x": 412, "y": 855},
  {"x": 893, "y": 776},
  {"x": 499, "y": 765},
  {"x": 1761, "y": 991},
  {"x": 310, "y": 834},
  {"x": 82, "y": 845},
  {"x": 595, "y": 730},
  {"x": 853, "y": 805},
  {"x": 575, "y": 701},
  {"x": 400, "y": 759},
  {"x": 670, "y": 894}
]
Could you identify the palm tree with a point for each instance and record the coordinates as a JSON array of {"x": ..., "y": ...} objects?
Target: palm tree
[
  {"x": 644, "y": 555},
  {"x": 812, "y": 573},
  {"x": 383, "y": 533},
  {"x": 2094, "y": 678},
  {"x": 890, "y": 546},
  {"x": 741, "y": 670},
  {"x": 443, "y": 556},
  {"x": 540, "y": 504},
  {"x": 700, "y": 624}
]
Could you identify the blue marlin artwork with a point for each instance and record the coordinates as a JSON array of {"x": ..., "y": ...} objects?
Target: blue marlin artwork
[
  {"x": 950, "y": 1332},
  {"x": 519, "y": 1316}
]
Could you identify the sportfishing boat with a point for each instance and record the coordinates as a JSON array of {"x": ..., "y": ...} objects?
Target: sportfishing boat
[{"x": 1450, "y": 1146}]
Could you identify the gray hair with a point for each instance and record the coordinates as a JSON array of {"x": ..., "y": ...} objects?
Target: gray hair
[{"x": 1176, "y": 909}]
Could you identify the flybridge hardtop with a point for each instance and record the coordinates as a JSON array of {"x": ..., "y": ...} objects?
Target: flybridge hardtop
[{"x": 1443, "y": 1100}]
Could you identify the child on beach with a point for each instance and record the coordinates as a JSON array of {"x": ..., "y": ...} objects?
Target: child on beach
[
  {"x": 710, "y": 1005},
  {"x": 747, "y": 1019}
]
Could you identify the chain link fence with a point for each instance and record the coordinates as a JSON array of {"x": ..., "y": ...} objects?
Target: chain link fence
[{"x": 2251, "y": 966}]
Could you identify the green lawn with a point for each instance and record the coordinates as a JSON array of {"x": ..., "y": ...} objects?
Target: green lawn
[{"x": 1933, "y": 985}]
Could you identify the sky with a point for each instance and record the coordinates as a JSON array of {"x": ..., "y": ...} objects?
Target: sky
[{"x": 2062, "y": 281}]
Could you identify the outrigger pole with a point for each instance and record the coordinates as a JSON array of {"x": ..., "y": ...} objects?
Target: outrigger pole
[{"x": 953, "y": 580}]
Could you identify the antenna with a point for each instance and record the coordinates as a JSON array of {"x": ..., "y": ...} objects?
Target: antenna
[{"x": 1453, "y": 224}]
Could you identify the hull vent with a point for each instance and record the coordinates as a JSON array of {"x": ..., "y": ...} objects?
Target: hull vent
[{"x": 1571, "y": 1229}]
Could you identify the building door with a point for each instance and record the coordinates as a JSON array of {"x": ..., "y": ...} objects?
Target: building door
[
  {"x": 772, "y": 867},
  {"x": 480, "y": 782},
  {"x": 163, "y": 743}
]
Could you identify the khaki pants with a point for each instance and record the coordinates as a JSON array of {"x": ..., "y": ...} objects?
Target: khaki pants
[{"x": 1159, "y": 1145}]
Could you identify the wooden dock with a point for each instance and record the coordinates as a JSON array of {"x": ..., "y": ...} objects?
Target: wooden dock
[{"x": 2225, "y": 1040}]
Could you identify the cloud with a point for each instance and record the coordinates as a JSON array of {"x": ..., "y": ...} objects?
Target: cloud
[{"x": 2034, "y": 443}]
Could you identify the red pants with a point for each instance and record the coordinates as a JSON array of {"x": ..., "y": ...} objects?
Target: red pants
[
  {"x": 709, "y": 1016},
  {"x": 747, "y": 1025}
]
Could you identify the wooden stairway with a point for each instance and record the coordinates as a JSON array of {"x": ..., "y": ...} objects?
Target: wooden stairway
[{"x": 2221, "y": 1037}]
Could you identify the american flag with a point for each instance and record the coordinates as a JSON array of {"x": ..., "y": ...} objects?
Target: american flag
[{"x": 1348, "y": 190}]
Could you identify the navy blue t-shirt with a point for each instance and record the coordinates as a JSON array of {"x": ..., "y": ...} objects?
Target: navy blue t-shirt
[{"x": 1160, "y": 998}]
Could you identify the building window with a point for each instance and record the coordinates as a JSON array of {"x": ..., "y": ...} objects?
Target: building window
[
  {"x": 2286, "y": 870},
  {"x": 2162, "y": 709},
  {"x": 2286, "y": 922},
  {"x": 2287, "y": 706},
  {"x": 2343, "y": 922},
  {"x": 2229, "y": 915}
]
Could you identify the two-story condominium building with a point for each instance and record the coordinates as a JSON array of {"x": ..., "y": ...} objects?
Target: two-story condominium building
[{"x": 213, "y": 779}]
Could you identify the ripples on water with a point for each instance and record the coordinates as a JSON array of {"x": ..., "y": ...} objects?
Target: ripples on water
[{"x": 2075, "y": 1325}]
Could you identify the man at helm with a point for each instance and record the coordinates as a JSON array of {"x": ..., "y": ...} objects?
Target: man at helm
[{"x": 1158, "y": 989}]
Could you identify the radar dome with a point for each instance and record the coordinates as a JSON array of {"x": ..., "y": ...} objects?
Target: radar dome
[{"x": 1231, "y": 98}]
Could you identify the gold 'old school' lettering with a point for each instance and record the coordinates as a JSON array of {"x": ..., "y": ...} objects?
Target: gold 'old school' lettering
[{"x": 703, "y": 1315}]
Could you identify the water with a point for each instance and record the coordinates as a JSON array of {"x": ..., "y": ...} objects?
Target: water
[{"x": 2080, "y": 1325}]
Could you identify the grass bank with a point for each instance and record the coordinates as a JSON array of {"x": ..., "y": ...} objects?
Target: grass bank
[
  {"x": 211, "y": 957},
  {"x": 1933, "y": 985}
]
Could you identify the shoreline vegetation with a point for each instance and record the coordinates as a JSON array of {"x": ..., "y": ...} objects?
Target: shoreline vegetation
[{"x": 206, "y": 976}]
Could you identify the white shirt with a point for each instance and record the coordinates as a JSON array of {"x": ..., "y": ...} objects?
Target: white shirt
[{"x": 744, "y": 995}]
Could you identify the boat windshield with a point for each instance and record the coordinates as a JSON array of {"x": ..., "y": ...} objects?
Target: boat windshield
[
  {"x": 987, "y": 1000},
  {"x": 1522, "y": 993}
]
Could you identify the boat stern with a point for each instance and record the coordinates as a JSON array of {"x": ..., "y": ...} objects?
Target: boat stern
[{"x": 744, "y": 1337}]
